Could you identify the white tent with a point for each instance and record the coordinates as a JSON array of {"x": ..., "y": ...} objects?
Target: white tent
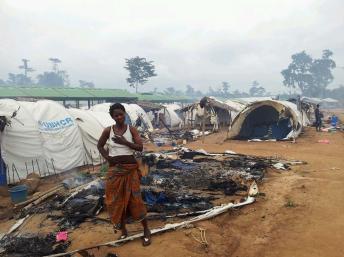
[
  {"x": 277, "y": 119},
  {"x": 133, "y": 111},
  {"x": 91, "y": 125},
  {"x": 43, "y": 137},
  {"x": 171, "y": 117}
]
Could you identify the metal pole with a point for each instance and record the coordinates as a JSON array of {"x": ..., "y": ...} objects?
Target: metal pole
[
  {"x": 33, "y": 167},
  {"x": 27, "y": 171},
  {"x": 203, "y": 125},
  {"x": 52, "y": 162},
  {"x": 92, "y": 160},
  {"x": 8, "y": 174},
  {"x": 14, "y": 167},
  {"x": 46, "y": 164},
  {"x": 39, "y": 170}
]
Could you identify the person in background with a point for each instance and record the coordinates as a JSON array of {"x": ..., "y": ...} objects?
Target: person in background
[
  {"x": 317, "y": 118},
  {"x": 122, "y": 190}
]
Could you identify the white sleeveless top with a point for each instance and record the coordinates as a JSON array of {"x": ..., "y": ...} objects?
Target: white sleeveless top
[{"x": 117, "y": 149}]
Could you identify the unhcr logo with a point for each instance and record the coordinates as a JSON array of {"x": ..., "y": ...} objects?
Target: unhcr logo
[{"x": 55, "y": 124}]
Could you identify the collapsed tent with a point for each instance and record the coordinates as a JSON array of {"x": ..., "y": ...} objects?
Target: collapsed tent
[
  {"x": 212, "y": 111},
  {"x": 43, "y": 138},
  {"x": 136, "y": 116},
  {"x": 268, "y": 119}
]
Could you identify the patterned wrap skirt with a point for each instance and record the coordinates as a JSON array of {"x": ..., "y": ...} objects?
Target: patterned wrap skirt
[{"x": 123, "y": 194}]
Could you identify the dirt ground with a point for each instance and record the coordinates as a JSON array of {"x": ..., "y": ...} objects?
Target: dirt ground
[{"x": 301, "y": 213}]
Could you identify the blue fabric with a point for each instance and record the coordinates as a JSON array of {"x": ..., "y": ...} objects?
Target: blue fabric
[
  {"x": 182, "y": 165},
  {"x": 152, "y": 198},
  {"x": 281, "y": 129},
  {"x": 334, "y": 120},
  {"x": 3, "y": 177}
]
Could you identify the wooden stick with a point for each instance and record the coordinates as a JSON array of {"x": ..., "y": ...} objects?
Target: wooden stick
[
  {"x": 41, "y": 199},
  {"x": 35, "y": 197}
]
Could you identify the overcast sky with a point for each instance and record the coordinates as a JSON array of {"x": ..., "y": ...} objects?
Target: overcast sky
[{"x": 196, "y": 42}]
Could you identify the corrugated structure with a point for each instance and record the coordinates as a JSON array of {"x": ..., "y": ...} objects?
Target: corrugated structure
[
  {"x": 160, "y": 98},
  {"x": 67, "y": 94}
]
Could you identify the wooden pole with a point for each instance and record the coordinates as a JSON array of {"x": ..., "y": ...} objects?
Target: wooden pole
[{"x": 203, "y": 125}]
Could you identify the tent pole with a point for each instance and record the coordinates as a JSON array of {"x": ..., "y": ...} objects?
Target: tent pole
[{"x": 203, "y": 125}]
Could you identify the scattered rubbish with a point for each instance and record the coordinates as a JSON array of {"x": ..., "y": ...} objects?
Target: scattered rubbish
[
  {"x": 324, "y": 141},
  {"x": 253, "y": 191},
  {"x": 279, "y": 166},
  {"x": 202, "y": 240},
  {"x": 30, "y": 245},
  {"x": 32, "y": 182},
  {"x": 181, "y": 183},
  {"x": 76, "y": 181},
  {"x": 229, "y": 152},
  {"x": 217, "y": 210},
  {"x": 62, "y": 236}
]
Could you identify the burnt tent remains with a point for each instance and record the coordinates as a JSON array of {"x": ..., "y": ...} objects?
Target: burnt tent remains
[{"x": 267, "y": 120}]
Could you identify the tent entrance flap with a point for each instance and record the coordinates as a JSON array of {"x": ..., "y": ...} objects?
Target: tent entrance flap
[{"x": 265, "y": 122}]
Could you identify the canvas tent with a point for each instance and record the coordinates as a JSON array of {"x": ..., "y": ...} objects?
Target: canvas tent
[
  {"x": 218, "y": 113},
  {"x": 267, "y": 119},
  {"x": 172, "y": 119},
  {"x": 136, "y": 116},
  {"x": 91, "y": 125},
  {"x": 43, "y": 137}
]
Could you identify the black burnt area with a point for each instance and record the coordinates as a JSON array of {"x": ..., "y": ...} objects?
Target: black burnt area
[{"x": 33, "y": 245}]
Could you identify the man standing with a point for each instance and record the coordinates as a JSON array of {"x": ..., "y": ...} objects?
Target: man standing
[{"x": 317, "y": 118}]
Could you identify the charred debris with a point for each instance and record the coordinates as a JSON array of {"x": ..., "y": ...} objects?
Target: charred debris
[{"x": 180, "y": 183}]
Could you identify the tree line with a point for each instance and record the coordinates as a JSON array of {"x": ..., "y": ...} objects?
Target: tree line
[
  {"x": 55, "y": 77},
  {"x": 311, "y": 76}
]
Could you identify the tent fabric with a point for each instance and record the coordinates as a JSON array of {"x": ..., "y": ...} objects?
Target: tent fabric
[
  {"x": 42, "y": 138},
  {"x": 91, "y": 126},
  {"x": 133, "y": 111},
  {"x": 171, "y": 117},
  {"x": 275, "y": 119}
]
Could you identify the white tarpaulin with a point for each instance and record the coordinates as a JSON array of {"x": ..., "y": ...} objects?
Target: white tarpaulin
[
  {"x": 133, "y": 111},
  {"x": 43, "y": 137},
  {"x": 171, "y": 117},
  {"x": 91, "y": 125},
  {"x": 267, "y": 119}
]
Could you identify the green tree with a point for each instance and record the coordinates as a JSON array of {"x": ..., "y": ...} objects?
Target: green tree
[
  {"x": 256, "y": 89},
  {"x": 26, "y": 67},
  {"x": 311, "y": 76},
  {"x": 139, "y": 71},
  {"x": 50, "y": 79},
  {"x": 225, "y": 88},
  {"x": 18, "y": 80},
  {"x": 190, "y": 91},
  {"x": 54, "y": 78},
  {"x": 298, "y": 74},
  {"x": 86, "y": 84},
  {"x": 211, "y": 91},
  {"x": 170, "y": 91},
  {"x": 322, "y": 73}
]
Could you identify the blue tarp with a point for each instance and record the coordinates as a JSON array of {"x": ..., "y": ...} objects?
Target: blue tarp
[{"x": 3, "y": 178}]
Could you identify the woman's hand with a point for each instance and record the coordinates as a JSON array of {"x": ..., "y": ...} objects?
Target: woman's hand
[{"x": 120, "y": 140}]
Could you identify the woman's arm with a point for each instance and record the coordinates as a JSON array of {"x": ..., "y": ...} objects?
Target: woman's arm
[
  {"x": 137, "y": 145},
  {"x": 102, "y": 141}
]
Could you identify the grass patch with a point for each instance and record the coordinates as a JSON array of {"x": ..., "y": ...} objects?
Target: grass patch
[{"x": 290, "y": 204}]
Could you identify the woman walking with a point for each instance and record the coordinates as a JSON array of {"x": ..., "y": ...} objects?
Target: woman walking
[{"x": 122, "y": 191}]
